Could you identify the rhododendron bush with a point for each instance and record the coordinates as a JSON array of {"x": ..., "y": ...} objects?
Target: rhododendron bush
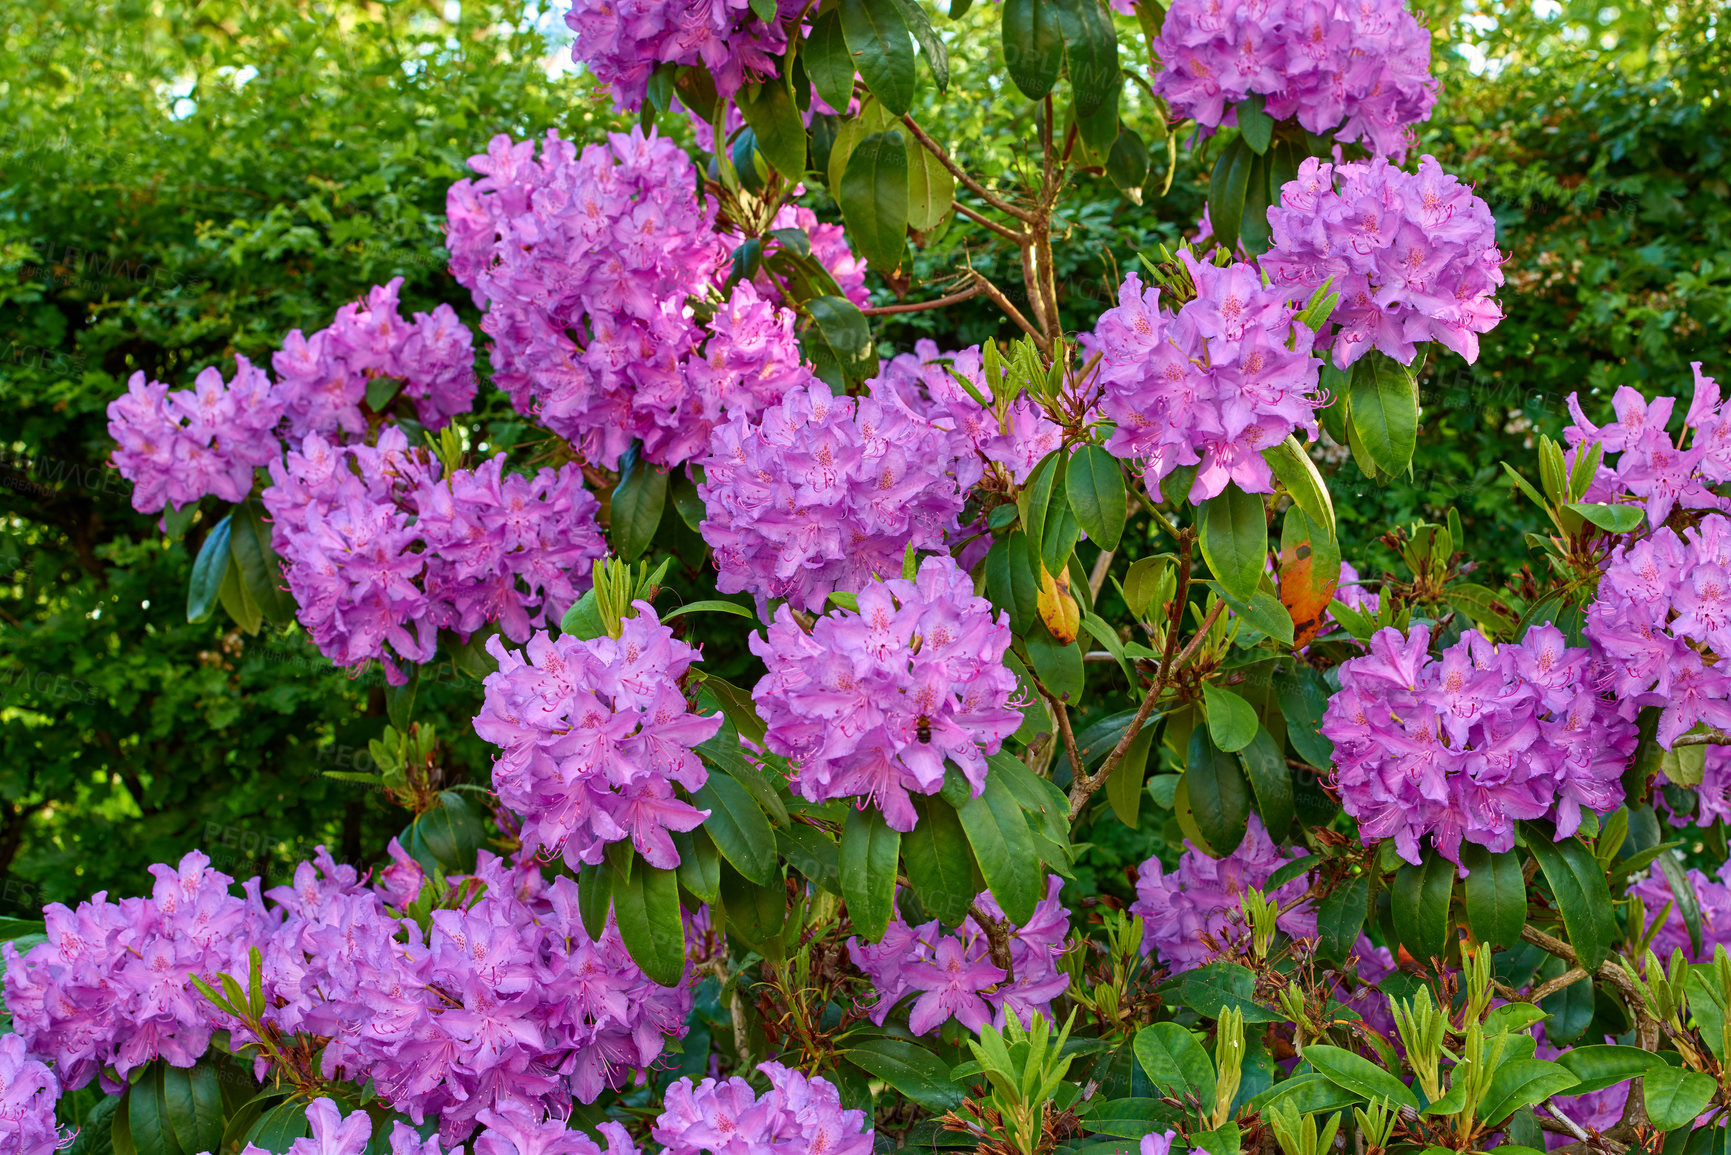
[{"x": 1434, "y": 874}]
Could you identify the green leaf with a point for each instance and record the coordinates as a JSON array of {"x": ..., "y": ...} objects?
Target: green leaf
[
  {"x": 1235, "y": 540},
  {"x": 739, "y": 828},
  {"x": 1606, "y": 1064},
  {"x": 1091, "y": 49},
  {"x": 1127, "y": 166},
  {"x": 931, "y": 44},
  {"x": 878, "y": 42},
  {"x": 1219, "y": 796},
  {"x": 1683, "y": 891},
  {"x": 1036, "y": 498},
  {"x": 1226, "y": 189},
  {"x": 277, "y": 1128},
  {"x": 1303, "y": 697},
  {"x": 1058, "y": 667},
  {"x": 1298, "y": 475},
  {"x": 1271, "y": 782},
  {"x": 699, "y": 864},
  {"x": 1583, "y": 896},
  {"x": 711, "y": 606},
  {"x": 1308, "y": 1092},
  {"x": 839, "y": 342},
  {"x": 736, "y": 703},
  {"x": 208, "y": 572},
  {"x": 874, "y": 194},
  {"x": 1094, "y": 484},
  {"x": 1340, "y": 918},
  {"x": 998, "y": 832},
  {"x": 755, "y": 913},
  {"x": 240, "y": 1124},
  {"x": 1296, "y": 868},
  {"x": 1232, "y": 721},
  {"x": 1033, "y": 45},
  {"x": 1383, "y": 410},
  {"x": 1674, "y": 1097},
  {"x": 1256, "y": 125},
  {"x": 909, "y": 1068},
  {"x": 193, "y": 1097},
  {"x": 812, "y": 853},
  {"x": 447, "y": 835},
  {"x": 828, "y": 62},
  {"x": 146, "y": 1111},
  {"x": 1128, "y": 1119},
  {"x": 1523, "y": 1083},
  {"x": 256, "y": 565},
  {"x": 1496, "y": 895},
  {"x": 1254, "y": 232},
  {"x": 769, "y": 109},
  {"x": 931, "y": 188},
  {"x": 1610, "y": 518},
  {"x": 1210, "y": 990},
  {"x": 1175, "y": 1062},
  {"x": 646, "y": 906},
  {"x": 1124, "y": 787},
  {"x": 1059, "y": 535},
  {"x": 939, "y": 863},
  {"x": 867, "y": 861},
  {"x": 1421, "y": 905},
  {"x": 1482, "y": 604},
  {"x": 1359, "y": 1075},
  {"x": 638, "y": 502},
  {"x": 1011, "y": 583}
]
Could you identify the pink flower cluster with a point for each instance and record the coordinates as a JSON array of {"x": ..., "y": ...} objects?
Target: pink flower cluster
[
  {"x": 872, "y": 704},
  {"x": 28, "y": 1092},
  {"x": 381, "y": 551},
  {"x": 1203, "y": 897},
  {"x": 1662, "y": 618},
  {"x": 726, "y": 1117},
  {"x": 1463, "y": 745},
  {"x": 620, "y": 44},
  {"x": 324, "y": 377},
  {"x": 1413, "y": 256},
  {"x": 506, "y": 1000},
  {"x": 1662, "y": 472},
  {"x": 922, "y": 381},
  {"x": 177, "y": 447},
  {"x": 826, "y": 493},
  {"x": 108, "y": 992},
  {"x": 1360, "y": 68},
  {"x": 594, "y": 734},
  {"x": 584, "y": 266},
  {"x": 1227, "y": 376},
  {"x": 954, "y": 974}
]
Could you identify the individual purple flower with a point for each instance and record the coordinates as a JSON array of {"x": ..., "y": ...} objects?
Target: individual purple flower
[
  {"x": 1641, "y": 463},
  {"x": 1463, "y": 746},
  {"x": 1357, "y": 68},
  {"x": 324, "y": 378},
  {"x": 594, "y": 735},
  {"x": 726, "y": 1117},
  {"x": 108, "y": 992},
  {"x": 177, "y": 447},
  {"x": 1203, "y": 898},
  {"x": 622, "y": 44},
  {"x": 28, "y": 1092},
  {"x": 954, "y": 975},
  {"x": 405, "y": 1140},
  {"x": 825, "y": 493},
  {"x": 1158, "y": 1142},
  {"x": 585, "y": 267},
  {"x": 1018, "y": 441},
  {"x": 1227, "y": 376},
  {"x": 1412, "y": 255},
  {"x": 332, "y": 1134},
  {"x": 874, "y": 704},
  {"x": 516, "y": 1129}
]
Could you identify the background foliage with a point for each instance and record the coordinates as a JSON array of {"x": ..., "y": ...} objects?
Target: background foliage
[{"x": 181, "y": 183}]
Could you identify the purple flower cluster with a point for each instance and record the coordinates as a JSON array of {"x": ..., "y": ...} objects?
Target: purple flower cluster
[
  {"x": 1358, "y": 67},
  {"x": 1650, "y": 466},
  {"x": 583, "y": 266},
  {"x": 506, "y": 1001},
  {"x": 594, "y": 736},
  {"x": 1413, "y": 256},
  {"x": 1463, "y": 745},
  {"x": 954, "y": 974},
  {"x": 726, "y": 1117},
  {"x": 1212, "y": 385},
  {"x": 620, "y": 44},
  {"x": 1712, "y": 893},
  {"x": 28, "y": 1092},
  {"x": 323, "y": 378},
  {"x": 108, "y": 992},
  {"x": 922, "y": 381},
  {"x": 1662, "y": 616},
  {"x": 871, "y": 704},
  {"x": 1203, "y": 897},
  {"x": 826, "y": 493},
  {"x": 381, "y": 551},
  {"x": 176, "y": 447}
]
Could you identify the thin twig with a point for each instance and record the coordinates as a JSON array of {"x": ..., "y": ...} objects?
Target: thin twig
[
  {"x": 977, "y": 217},
  {"x": 967, "y": 294},
  {"x": 997, "y": 296},
  {"x": 960, "y": 174},
  {"x": 1546, "y": 989}
]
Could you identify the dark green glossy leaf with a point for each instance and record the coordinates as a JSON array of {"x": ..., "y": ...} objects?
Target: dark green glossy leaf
[
  {"x": 1303, "y": 697},
  {"x": 1235, "y": 540},
  {"x": 1523, "y": 1083},
  {"x": 867, "y": 863},
  {"x": 638, "y": 502},
  {"x": 877, "y": 39},
  {"x": 195, "y": 1110},
  {"x": 1359, "y": 1075},
  {"x": 257, "y": 565},
  {"x": 1175, "y": 1062},
  {"x": 874, "y": 195},
  {"x": 1496, "y": 895},
  {"x": 1094, "y": 483},
  {"x": 1212, "y": 989},
  {"x": 1674, "y": 1097},
  {"x": 1058, "y": 667},
  {"x": 931, "y": 44},
  {"x": 812, "y": 853},
  {"x": 1232, "y": 721},
  {"x": 1256, "y": 125},
  {"x": 998, "y": 832},
  {"x": 1127, "y": 166},
  {"x": 1421, "y": 905},
  {"x": 1218, "y": 794},
  {"x": 1091, "y": 51},
  {"x": 909, "y": 1068},
  {"x": 1606, "y": 1064},
  {"x": 939, "y": 863},
  {"x": 1226, "y": 189},
  {"x": 1340, "y": 918},
  {"x": 646, "y": 906},
  {"x": 769, "y": 109},
  {"x": 828, "y": 62},
  {"x": 1383, "y": 411},
  {"x": 739, "y": 828},
  {"x": 208, "y": 571},
  {"x": 1583, "y": 896},
  {"x": 1033, "y": 45},
  {"x": 1271, "y": 782}
]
